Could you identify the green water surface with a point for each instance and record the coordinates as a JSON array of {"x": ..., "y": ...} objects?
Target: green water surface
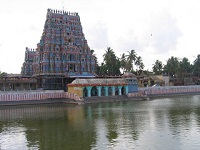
[{"x": 162, "y": 123}]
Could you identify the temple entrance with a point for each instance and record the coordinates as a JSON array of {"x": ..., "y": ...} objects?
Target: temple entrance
[
  {"x": 85, "y": 93},
  {"x": 102, "y": 91},
  {"x": 109, "y": 91},
  {"x": 116, "y": 91},
  {"x": 123, "y": 90},
  {"x": 94, "y": 91}
]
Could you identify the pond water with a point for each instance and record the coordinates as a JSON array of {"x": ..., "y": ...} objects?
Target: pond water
[{"x": 160, "y": 123}]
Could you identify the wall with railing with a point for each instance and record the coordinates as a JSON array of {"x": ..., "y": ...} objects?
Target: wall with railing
[
  {"x": 37, "y": 95},
  {"x": 165, "y": 90}
]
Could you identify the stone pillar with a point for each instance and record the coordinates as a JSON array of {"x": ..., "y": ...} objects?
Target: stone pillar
[
  {"x": 106, "y": 90},
  {"x": 120, "y": 90},
  {"x": 113, "y": 90},
  {"x": 126, "y": 89},
  {"x": 98, "y": 90},
  {"x": 88, "y": 91}
]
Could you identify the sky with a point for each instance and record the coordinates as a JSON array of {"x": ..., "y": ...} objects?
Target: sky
[{"x": 155, "y": 29}]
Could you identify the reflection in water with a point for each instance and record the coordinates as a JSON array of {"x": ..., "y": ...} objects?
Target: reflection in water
[
  {"x": 48, "y": 127},
  {"x": 168, "y": 123},
  {"x": 13, "y": 136}
]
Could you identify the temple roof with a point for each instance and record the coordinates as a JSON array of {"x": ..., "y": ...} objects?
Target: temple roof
[
  {"x": 128, "y": 75},
  {"x": 99, "y": 81}
]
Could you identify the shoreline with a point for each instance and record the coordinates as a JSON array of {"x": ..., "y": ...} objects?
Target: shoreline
[
  {"x": 36, "y": 102},
  {"x": 14, "y": 98},
  {"x": 140, "y": 98},
  {"x": 93, "y": 100}
]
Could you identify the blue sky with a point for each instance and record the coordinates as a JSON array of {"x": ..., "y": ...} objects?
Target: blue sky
[{"x": 156, "y": 29}]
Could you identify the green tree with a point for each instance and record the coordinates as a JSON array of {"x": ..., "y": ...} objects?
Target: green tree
[
  {"x": 95, "y": 59},
  {"x": 139, "y": 64},
  {"x": 97, "y": 67},
  {"x": 196, "y": 66},
  {"x": 157, "y": 67},
  {"x": 172, "y": 66},
  {"x": 184, "y": 67},
  {"x": 117, "y": 67},
  {"x": 131, "y": 58},
  {"x": 123, "y": 62},
  {"x": 112, "y": 63},
  {"x": 2, "y": 74},
  {"x": 129, "y": 66},
  {"x": 102, "y": 69}
]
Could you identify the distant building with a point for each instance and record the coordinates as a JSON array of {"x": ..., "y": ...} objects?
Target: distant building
[
  {"x": 132, "y": 82},
  {"x": 62, "y": 54},
  {"x": 17, "y": 82},
  {"x": 127, "y": 83}
]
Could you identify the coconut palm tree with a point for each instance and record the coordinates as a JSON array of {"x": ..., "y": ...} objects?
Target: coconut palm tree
[
  {"x": 123, "y": 62},
  {"x": 131, "y": 57},
  {"x": 3, "y": 74},
  {"x": 139, "y": 64},
  {"x": 157, "y": 67},
  {"x": 196, "y": 66},
  {"x": 184, "y": 67},
  {"x": 172, "y": 66},
  {"x": 112, "y": 63}
]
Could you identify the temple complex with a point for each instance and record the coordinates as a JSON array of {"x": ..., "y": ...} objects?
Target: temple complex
[{"x": 62, "y": 54}]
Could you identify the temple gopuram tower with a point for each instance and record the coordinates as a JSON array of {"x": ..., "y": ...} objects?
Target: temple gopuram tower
[
  {"x": 63, "y": 53},
  {"x": 27, "y": 66}
]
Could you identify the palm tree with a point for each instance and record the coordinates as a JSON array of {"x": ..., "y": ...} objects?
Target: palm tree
[
  {"x": 96, "y": 64},
  {"x": 123, "y": 62},
  {"x": 157, "y": 67},
  {"x": 129, "y": 66},
  {"x": 108, "y": 55},
  {"x": 3, "y": 74},
  {"x": 172, "y": 66},
  {"x": 196, "y": 66},
  {"x": 111, "y": 62},
  {"x": 102, "y": 69},
  {"x": 131, "y": 57},
  {"x": 184, "y": 67},
  {"x": 139, "y": 64}
]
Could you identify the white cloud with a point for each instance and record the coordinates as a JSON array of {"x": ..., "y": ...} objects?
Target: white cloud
[{"x": 154, "y": 29}]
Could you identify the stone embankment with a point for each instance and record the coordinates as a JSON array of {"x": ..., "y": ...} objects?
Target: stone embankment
[
  {"x": 19, "y": 96},
  {"x": 54, "y": 96},
  {"x": 165, "y": 91}
]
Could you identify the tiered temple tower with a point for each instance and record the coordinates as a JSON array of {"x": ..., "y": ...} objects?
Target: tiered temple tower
[
  {"x": 63, "y": 52},
  {"x": 27, "y": 67}
]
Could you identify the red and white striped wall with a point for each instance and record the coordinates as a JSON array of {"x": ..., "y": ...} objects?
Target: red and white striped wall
[
  {"x": 153, "y": 91},
  {"x": 37, "y": 95}
]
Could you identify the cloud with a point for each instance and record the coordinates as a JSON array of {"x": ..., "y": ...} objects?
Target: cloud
[
  {"x": 97, "y": 35},
  {"x": 164, "y": 32},
  {"x": 154, "y": 34},
  {"x": 126, "y": 42}
]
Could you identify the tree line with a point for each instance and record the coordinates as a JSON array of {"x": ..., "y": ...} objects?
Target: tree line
[
  {"x": 131, "y": 62},
  {"x": 113, "y": 66},
  {"x": 2, "y": 74},
  {"x": 176, "y": 67}
]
